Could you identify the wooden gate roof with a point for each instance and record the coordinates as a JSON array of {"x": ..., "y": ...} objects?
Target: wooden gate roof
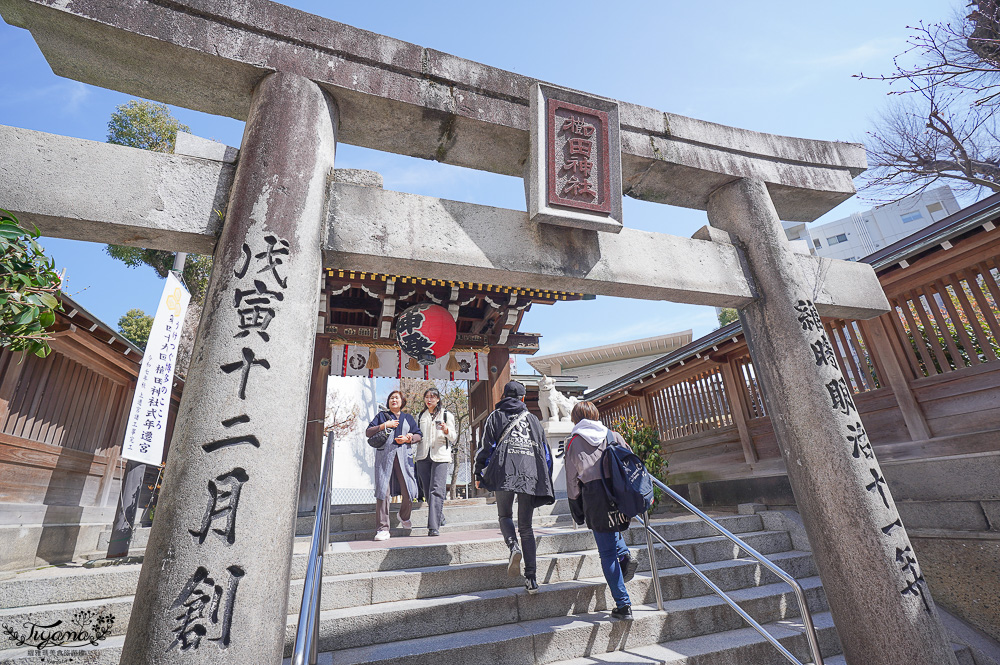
[{"x": 361, "y": 308}]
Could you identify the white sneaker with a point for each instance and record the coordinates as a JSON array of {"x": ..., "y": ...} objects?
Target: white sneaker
[
  {"x": 382, "y": 535},
  {"x": 405, "y": 524}
]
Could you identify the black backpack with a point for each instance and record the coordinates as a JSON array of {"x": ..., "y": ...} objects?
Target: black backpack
[{"x": 626, "y": 480}]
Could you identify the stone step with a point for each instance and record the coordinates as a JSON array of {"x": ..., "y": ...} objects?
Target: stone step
[
  {"x": 344, "y": 591},
  {"x": 700, "y": 550},
  {"x": 348, "y": 591},
  {"x": 388, "y": 622},
  {"x": 346, "y": 508},
  {"x": 743, "y": 645},
  {"x": 107, "y": 652},
  {"x": 357, "y": 522},
  {"x": 364, "y": 520},
  {"x": 109, "y": 579},
  {"x": 574, "y": 623},
  {"x": 303, "y": 534},
  {"x": 420, "y": 591},
  {"x": 354, "y": 590},
  {"x": 513, "y": 645},
  {"x": 450, "y": 527},
  {"x": 963, "y": 655}
]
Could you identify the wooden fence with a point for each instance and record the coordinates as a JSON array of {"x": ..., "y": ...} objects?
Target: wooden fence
[
  {"x": 63, "y": 417},
  {"x": 925, "y": 376}
]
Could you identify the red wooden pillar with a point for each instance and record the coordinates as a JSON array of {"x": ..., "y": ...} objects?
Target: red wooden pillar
[
  {"x": 312, "y": 455},
  {"x": 498, "y": 364}
]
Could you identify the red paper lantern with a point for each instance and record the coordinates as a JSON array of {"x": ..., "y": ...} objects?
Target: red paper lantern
[{"x": 426, "y": 332}]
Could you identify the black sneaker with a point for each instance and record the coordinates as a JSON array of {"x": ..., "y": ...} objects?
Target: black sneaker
[
  {"x": 629, "y": 565},
  {"x": 514, "y": 562},
  {"x": 531, "y": 584},
  {"x": 433, "y": 532},
  {"x": 624, "y": 612}
]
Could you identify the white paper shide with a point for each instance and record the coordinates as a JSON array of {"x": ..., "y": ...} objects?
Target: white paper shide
[{"x": 147, "y": 421}]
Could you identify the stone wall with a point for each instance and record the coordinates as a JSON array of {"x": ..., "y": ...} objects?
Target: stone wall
[{"x": 951, "y": 509}]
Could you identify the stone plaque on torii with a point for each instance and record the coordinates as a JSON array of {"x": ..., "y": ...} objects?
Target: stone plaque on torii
[{"x": 214, "y": 590}]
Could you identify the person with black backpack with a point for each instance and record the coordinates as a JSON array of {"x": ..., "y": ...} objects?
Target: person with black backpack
[
  {"x": 514, "y": 461},
  {"x": 590, "y": 503}
]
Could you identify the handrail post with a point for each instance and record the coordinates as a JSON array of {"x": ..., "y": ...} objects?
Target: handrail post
[
  {"x": 654, "y": 568},
  {"x": 307, "y": 631},
  {"x": 800, "y": 597},
  {"x": 729, "y": 601}
]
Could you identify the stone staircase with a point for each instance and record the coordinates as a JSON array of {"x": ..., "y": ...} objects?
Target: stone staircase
[
  {"x": 425, "y": 600},
  {"x": 357, "y": 522}
]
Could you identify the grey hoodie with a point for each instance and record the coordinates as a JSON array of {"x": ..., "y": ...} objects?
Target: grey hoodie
[{"x": 585, "y": 446}]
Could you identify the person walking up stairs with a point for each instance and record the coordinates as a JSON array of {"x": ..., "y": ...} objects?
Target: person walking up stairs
[{"x": 514, "y": 461}]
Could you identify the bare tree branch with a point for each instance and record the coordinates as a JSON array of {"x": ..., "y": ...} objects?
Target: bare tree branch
[{"x": 942, "y": 126}]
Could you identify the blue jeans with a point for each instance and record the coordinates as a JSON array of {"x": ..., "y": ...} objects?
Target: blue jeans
[{"x": 611, "y": 546}]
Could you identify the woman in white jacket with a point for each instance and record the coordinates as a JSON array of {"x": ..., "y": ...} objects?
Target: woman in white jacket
[{"x": 433, "y": 454}]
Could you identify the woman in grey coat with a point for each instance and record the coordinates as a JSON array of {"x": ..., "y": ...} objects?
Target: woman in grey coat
[{"x": 391, "y": 460}]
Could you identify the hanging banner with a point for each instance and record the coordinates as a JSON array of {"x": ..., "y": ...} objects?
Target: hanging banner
[
  {"x": 147, "y": 421},
  {"x": 355, "y": 360}
]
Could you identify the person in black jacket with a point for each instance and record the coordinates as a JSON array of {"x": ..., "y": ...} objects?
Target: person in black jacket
[
  {"x": 514, "y": 461},
  {"x": 588, "y": 501}
]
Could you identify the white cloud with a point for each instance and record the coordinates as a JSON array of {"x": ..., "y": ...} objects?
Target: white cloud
[
  {"x": 78, "y": 94},
  {"x": 66, "y": 95},
  {"x": 880, "y": 50}
]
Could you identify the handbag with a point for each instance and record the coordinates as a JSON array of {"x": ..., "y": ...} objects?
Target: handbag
[{"x": 379, "y": 438}]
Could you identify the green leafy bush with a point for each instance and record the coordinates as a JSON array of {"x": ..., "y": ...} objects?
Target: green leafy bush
[
  {"x": 28, "y": 287},
  {"x": 644, "y": 441}
]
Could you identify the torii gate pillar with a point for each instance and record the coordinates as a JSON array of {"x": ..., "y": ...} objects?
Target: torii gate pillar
[
  {"x": 213, "y": 588},
  {"x": 879, "y": 601}
]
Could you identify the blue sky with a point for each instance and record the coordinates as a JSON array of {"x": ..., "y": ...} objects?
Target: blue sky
[{"x": 778, "y": 67}]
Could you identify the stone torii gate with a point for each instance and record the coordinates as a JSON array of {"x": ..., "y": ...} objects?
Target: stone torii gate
[{"x": 213, "y": 588}]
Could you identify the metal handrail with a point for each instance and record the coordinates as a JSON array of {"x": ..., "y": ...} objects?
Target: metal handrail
[
  {"x": 785, "y": 577},
  {"x": 307, "y": 632}
]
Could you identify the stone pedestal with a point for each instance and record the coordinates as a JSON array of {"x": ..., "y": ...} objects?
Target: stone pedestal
[
  {"x": 557, "y": 434},
  {"x": 880, "y": 603},
  {"x": 214, "y": 584}
]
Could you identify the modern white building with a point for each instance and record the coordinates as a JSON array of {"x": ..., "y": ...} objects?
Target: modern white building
[
  {"x": 863, "y": 233},
  {"x": 599, "y": 365}
]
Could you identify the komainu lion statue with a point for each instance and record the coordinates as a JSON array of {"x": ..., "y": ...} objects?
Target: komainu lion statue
[{"x": 553, "y": 404}]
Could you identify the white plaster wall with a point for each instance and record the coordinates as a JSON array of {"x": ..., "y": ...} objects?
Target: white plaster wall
[
  {"x": 353, "y": 459},
  {"x": 596, "y": 375}
]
